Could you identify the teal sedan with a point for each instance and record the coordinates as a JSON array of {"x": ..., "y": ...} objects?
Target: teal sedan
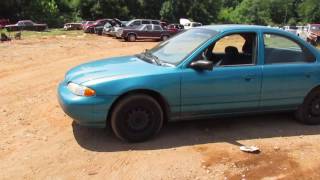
[{"x": 209, "y": 71}]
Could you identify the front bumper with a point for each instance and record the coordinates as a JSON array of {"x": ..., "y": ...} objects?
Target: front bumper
[{"x": 86, "y": 111}]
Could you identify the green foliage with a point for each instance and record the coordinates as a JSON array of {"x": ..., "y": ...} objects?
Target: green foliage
[
  {"x": 310, "y": 11},
  {"x": 271, "y": 12}
]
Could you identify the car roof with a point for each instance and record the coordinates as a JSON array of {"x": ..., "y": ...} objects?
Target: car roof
[{"x": 229, "y": 27}]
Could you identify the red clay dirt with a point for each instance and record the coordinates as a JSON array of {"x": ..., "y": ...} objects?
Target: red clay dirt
[{"x": 38, "y": 141}]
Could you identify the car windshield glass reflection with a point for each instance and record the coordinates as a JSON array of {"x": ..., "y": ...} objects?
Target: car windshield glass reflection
[{"x": 176, "y": 49}]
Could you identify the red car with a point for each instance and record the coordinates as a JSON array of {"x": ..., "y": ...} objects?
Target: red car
[
  {"x": 175, "y": 28},
  {"x": 85, "y": 24},
  {"x": 90, "y": 27},
  {"x": 3, "y": 23}
]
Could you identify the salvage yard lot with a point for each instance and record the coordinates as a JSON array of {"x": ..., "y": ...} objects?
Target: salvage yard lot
[{"x": 37, "y": 140}]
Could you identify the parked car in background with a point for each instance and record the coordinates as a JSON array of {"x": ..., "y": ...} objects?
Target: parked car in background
[
  {"x": 107, "y": 27},
  {"x": 85, "y": 24},
  {"x": 3, "y": 23},
  {"x": 175, "y": 28},
  {"x": 26, "y": 25},
  {"x": 291, "y": 29},
  {"x": 108, "y": 30},
  {"x": 72, "y": 26},
  {"x": 146, "y": 31},
  {"x": 198, "y": 74},
  {"x": 100, "y": 22},
  {"x": 313, "y": 34},
  {"x": 192, "y": 25},
  {"x": 133, "y": 24}
]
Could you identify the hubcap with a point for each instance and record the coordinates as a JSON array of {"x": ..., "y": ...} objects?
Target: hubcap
[
  {"x": 315, "y": 107},
  {"x": 138, "y": 119},
  {"x": 132, "y": 38}
]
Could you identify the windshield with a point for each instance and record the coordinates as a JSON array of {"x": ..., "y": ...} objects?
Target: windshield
[
  {"x": 176, "y": 49},
  {"x": 315, "y": 27}
]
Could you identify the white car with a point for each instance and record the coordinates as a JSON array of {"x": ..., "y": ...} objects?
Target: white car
[
  {"x": 302, "y": 31},
  {"x": 291, "y": 29},
  {"x": 192, "y": 25}
]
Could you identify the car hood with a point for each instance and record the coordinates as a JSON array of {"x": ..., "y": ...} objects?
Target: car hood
[
  {"x": 111, "y": 68},
  {"x": 317, "y": 33}
]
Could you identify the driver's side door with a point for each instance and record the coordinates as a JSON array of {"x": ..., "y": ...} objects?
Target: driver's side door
[{"x": 223, "y": 90}]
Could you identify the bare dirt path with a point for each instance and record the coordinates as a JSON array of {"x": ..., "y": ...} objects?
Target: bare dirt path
[{"x": 37, "y": 141}]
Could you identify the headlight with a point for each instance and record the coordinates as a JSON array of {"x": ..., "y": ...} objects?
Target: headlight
[{"x": 80, "y": 90}]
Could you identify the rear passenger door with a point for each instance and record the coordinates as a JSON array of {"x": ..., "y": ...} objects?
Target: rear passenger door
[{"x": 288, "y": 72}]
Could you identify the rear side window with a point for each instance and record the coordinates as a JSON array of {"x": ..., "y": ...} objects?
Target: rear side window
[
  {"x": 155, "y": 22},
  {"x": 145, "y": 22},
  {"x": 136, "y": 23},
  {"x": 281, "y": 49}
]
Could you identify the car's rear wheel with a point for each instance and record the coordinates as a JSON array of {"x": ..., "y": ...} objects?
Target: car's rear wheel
[
  {"x": 309, "y": 111},
  {"x": 136, "y": 118},
  {"x": 131, "y": 37},
  {"x": 165, "y": 37}
]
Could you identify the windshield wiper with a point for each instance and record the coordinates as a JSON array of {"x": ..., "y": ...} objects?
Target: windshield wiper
[{"x": 154, "y": 58}]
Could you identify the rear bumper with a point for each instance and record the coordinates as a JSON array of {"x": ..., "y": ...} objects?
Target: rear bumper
[{"x": 86, "y": 111}]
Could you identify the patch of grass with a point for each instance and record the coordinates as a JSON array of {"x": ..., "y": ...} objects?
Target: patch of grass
[{"x": 50, "y": 32}]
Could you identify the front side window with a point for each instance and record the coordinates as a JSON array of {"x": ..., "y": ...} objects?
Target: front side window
[
  {"x": 147, "y": 27},
  {"x": 136, "y": 23},
  {"x": 28, "y": 23},
  {"x": 157, "y": 28},
  {"x": 232, "y": 50},
  {"x": 280, "y": 49}
]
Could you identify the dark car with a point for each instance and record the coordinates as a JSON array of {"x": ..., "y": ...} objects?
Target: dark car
[
  {"x": 100, "y": 22},
  {"x": 72, "y": 26},
  {"x": 147, "y": 31},
  {"x": 175, "y": 28},
  {"x": 3, "y": 23},
  {"x": 26, "y": 25}
]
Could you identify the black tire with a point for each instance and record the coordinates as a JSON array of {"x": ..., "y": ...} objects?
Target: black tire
[
  {"x": 131, "y": 37},
  {"x": 136, "y": 118},
  {"x": 309, "y": 111},
  {"x": 165, "y": 37}
]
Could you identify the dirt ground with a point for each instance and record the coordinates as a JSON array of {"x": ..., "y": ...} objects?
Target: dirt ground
[{"x": 38, "y": 141}]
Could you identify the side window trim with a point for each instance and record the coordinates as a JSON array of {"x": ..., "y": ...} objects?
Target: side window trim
[{"x": 257, "y": 53}]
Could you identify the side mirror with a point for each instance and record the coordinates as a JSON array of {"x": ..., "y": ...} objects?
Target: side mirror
[{"x": 202, "y": 65}]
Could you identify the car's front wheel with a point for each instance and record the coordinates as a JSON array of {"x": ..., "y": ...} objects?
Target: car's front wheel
[
  {"x": 164, "y": 38},
  {"x": 136, "y": 118},
  {"x": 309, "y": 111},
  {"x": 131, "y": 38}
]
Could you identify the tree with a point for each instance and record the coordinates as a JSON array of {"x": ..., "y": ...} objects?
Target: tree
[
  {"x": 167, "y": 11},
  {"x": 310, "y": 11}
]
